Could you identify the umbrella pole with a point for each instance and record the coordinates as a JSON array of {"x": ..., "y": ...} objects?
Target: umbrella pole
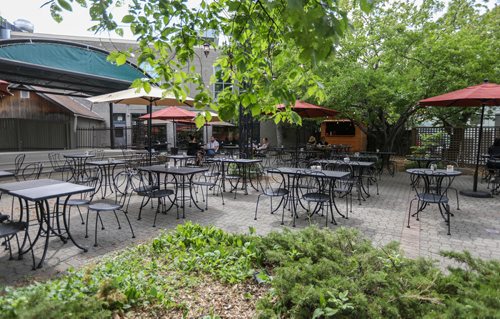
[
  {"x": 478, "y": 150},
  {"x": 475, "y": 192},
  {"x": 150, "y": 130}
]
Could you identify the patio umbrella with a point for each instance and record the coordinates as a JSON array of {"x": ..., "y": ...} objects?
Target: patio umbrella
[
  {"x": 172, "y": 113},
  {"x": 308, "y": 110},
  {"x": 141, "y": 97},
  {"x": 4, "y": 88},
  {"x": 485, "y": 94}
]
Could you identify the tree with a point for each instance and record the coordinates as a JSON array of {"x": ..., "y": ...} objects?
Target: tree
[
  {"x": 404, "y": 52},
  {"x": 260, "y": 34}
]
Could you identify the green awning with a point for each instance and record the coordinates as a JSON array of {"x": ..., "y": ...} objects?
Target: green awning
[{"x": 63, "y": 65}]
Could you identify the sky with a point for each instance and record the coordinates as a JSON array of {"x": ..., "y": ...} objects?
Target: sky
[{"x": 76, "y": 22}]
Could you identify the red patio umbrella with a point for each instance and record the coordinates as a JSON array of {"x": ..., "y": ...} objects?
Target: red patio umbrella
[
  {"x": 309, "y": 110},
  {"x": 4, "y": 88},
  {"x": 172, "y": 113},
  {"x": 485, "y": 94}
]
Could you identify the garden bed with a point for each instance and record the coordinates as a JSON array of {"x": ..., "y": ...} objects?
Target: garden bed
[{"x": 204, "y": 272}]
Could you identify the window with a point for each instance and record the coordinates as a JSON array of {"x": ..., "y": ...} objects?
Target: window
[
  {"x": 342, "y": 128},
  {"x": 25, "y": 94},
  {"x": 220, "y": 85},
  {"x": 119, "y": 118},
  {"x": 119, "y": 132}
]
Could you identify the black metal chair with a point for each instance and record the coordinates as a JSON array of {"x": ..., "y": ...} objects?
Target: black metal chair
[
  {"x": 146, "y": 185},
  {"x": 84, "y": 198},
  {"x": 60, "y": 166},
  {"x": 272, "y": 185},
  {"x": 10, "y": 230},
  {"x": 210, "y": 180},
  {"x": 313, "y": 188},
  {"x": 18, "y": 163},
  {"x": 431, "y": 188},
  {"x": 234, "y": 175},
  {"x": 30, "y": 171},
  {"x": 342, "y": 187},
  {"x": 442, "y": 164},
  {"x": 107, "y": 206}
]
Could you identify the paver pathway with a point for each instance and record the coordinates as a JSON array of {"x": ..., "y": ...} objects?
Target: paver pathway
[{"x": 382, "y": 218}]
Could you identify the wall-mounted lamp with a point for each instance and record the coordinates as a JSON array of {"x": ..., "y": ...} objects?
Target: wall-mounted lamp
[{"x": 206, "y": 49}]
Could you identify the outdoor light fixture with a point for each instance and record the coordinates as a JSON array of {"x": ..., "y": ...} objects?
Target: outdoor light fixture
[{"x": 206, "y": 49}]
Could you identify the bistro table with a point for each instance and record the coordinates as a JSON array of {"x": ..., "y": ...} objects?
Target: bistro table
[
  {"x": 423, "y": 162},
  {"x": 5, "y": 174},
  {"x": 359, "y": 167},
  {"x": 432, "y": 191},
  {"x": 183, "y": 177},
  {"x": 182, "y": 159},
  {"x": 243, "y": 165},
  {"x": 39, "y": 192},
  {"x": 292, "y": 172},
  {"x": 107, "y": 171},
  {"x": 79, "y": 161}
]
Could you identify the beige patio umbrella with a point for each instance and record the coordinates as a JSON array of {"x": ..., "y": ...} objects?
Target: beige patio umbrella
[{"x": 156, "y": 96}]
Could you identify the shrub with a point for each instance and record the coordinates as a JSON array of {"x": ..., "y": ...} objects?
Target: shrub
[
  {"x": 312, "y": 273},
  {"x": 322, "y": 274}
]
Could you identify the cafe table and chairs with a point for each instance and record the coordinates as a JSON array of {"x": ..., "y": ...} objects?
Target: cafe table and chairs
[
  {"x": 106, "y": 173},
  {"x": 310, "y": 185},
  {"x": 431, "y": 188},
  {"x": 360, "y": 170},
  {"x": 79, "y": 160},
  {"x": 239, "y": 170},
  {"x": 40, "y": 192},
  {"x": 183, "y": 181}
]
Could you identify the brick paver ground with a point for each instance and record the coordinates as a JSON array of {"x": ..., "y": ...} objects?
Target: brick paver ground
[{"x": 381, "y": 218}]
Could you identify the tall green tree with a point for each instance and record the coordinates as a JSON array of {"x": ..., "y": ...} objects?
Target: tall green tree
[
  {"x": 405, "y": 51},
  {"x": 260, "y": 34}
]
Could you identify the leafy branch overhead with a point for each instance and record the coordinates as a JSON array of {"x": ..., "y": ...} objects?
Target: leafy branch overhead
[{"x": 261, "y": 36}]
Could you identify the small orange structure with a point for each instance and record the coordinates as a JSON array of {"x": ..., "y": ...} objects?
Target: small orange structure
[{"x": 344, "y": 132}]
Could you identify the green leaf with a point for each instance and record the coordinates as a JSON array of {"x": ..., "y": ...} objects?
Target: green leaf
[
  {"x": 366, "y": 5},
  {"x": 65, "y": 5},
  {"x": 128, "y": 18},
  {"x": 147, "y": 87},
  {"x": 121, "y": 59},
  {"x": 317, "y": 313}
]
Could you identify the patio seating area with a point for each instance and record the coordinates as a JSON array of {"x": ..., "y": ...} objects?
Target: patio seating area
[{"x": 320, "y": 191}]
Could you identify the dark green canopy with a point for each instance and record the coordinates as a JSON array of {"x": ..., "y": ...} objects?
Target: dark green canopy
[{"x": 62, "y": 65}]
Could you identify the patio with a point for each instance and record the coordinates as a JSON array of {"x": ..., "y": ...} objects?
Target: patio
[{"x": 381, "y": 218}]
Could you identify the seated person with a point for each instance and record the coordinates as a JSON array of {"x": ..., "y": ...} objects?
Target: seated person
[
  {"x": 262, "y": 148},
  {"x": 212, "y": 146},
  {"x": 312, "y": 140},
  {"x": 494, "y": 150}
]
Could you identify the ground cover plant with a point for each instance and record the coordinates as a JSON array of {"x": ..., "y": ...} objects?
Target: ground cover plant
[{"x": 204, "y": 272}]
